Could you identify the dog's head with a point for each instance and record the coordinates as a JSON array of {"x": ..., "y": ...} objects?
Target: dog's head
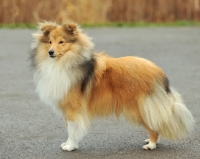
[{"x": 60, "y": 39}]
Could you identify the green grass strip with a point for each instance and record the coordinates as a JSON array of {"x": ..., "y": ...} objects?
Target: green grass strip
[
  {"x": 19, "y": 26},
  {"x": 118, "y": 24},
  {"x": 144, "y": 24}
]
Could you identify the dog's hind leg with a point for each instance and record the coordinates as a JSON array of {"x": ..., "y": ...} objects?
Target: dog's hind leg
[{"x": 151, "y": 143}]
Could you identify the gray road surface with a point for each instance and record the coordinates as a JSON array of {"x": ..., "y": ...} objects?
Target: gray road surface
[{"x": 30, "y": 130}]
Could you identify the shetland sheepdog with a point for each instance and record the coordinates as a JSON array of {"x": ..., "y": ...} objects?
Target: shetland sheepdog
[{"x": 82, "y": 84}]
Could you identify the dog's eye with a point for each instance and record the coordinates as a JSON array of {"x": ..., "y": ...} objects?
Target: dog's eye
[
  {"x": 61, "y": 42},
  {"x": 49, "y": 42}
]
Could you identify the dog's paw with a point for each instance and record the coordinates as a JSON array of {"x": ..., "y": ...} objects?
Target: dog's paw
[
  {"x": 149, "y": 146},
  {"x": 67, "y": 147},
  {"x": 63, "y": 144},
  {"x": 147, "y": 141}
]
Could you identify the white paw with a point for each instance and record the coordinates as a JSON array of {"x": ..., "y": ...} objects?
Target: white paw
[
  {"x": 150, "y": 146},
  {"x": 147, "y": 141},
  {"x": 68, "y": 147},
  {"x": 63, "y": 144}
]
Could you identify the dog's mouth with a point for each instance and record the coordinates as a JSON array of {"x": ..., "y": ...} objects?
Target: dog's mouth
[{"x": 52, "y": 56}]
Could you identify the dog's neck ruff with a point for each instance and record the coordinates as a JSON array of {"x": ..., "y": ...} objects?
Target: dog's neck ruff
[{"x": 53, "y": 81}]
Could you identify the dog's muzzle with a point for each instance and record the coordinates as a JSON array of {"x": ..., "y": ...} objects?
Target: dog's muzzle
[{"x": 51, "y": 53}]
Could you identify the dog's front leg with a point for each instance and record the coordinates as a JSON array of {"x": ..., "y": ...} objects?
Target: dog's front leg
[
  {"x": 76, "y": 130},
  {"x": 76, "y": 117},
  {"x": 74, "y": 136},
  {"x": 64, "y": 143}
]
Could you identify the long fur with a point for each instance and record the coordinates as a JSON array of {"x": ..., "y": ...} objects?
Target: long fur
[{"x": 83, "y": 84}]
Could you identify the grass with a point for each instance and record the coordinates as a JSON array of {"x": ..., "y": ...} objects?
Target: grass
[
  {"x": 18, "y": 26},
  {"x": 144, "y": 24},
  {"x": 118, "y": 24}
]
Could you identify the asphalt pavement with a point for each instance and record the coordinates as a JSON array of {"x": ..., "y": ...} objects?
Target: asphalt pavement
[{"x": 31, "y": 130}]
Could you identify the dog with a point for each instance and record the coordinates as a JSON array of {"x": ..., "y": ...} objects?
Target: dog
[{"x": 81, "y": 84}]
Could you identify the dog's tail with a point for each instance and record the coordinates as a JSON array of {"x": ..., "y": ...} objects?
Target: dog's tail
[{"x": 166, "y": 114}]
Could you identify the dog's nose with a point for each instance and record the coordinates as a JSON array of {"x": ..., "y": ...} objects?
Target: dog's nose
[{"x": 51, "y": 52}]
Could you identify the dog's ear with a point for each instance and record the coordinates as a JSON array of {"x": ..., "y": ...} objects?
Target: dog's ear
[
  {"x": 71, "y": 28},
  {"x": 47, "y": 27}
]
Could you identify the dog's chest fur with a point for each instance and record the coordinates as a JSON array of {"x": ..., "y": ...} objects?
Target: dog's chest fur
[{"x": 53, "y": 82}]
